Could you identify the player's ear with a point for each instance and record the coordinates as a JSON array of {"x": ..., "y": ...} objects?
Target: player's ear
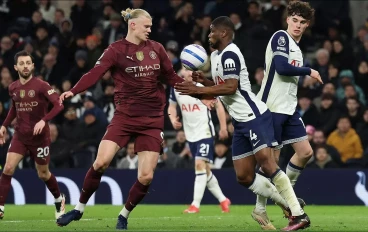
[{"x": 15, "y": 67}]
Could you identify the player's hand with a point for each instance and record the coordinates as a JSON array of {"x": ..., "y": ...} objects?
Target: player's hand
[
  {"x": 176, "y": 124},
  {"x": 187, "y": 88},
  {"x": 65, "y": 95},
  {"x": 223, "y": 134},
  {"x": 2, "y": 135},
  {"x": 315, "y": 74},
  {"x": 210, "y": 103},
  {"x": 198, "y": 76},
  {"x": 38, "y": 127}
]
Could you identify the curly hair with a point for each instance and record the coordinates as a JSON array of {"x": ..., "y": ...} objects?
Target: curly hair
[{"x": 299, "y": 8}]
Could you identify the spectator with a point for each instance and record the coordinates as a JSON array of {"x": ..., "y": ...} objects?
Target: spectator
[
  {"x": 346, "y": 77},
  {"x": 362, "y": 129},
  {"x": 47, "y": 10},
  {"x": 319, "y": 139},
  {"x": 308, "y": 111},
  {"x": 223, "y": 157},
  {"x": 329, "y": 114},
  {"x": 346, "y": 141},
  {"x": 322, "y": 159},
  {"x": 130, "y": 161}
]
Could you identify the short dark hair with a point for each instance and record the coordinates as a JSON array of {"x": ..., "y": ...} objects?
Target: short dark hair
[
  {"x": 22, "y": 53},
  {"x": 224, "y": 21},
  {"x": 299, "y": 8}
]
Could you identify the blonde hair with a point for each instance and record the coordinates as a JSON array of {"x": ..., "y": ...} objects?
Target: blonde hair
[{"x": 134, "y": 13}]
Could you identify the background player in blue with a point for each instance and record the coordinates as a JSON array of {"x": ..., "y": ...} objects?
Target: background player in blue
[
  {"x": 253, "y": 128},
  {"x": 199, "y": 132},
  {"x": 283, "y": 66}
]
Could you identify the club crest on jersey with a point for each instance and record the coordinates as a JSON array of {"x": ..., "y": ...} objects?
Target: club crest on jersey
[
  {"x": 22, "y": 93},
  {"x": 152, "y": 54},
  {"x": 281, "y": 41},
  {"x": 31, "y": 93},
  {"x": 139, "y": 55}
]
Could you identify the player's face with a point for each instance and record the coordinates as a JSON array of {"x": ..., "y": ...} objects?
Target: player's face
[
  {"x": 142, "y": 27},
  {"x": 214, "y": 37},
  {"x": 24, "y": 66},
  {"x": 296, "y": 25},
  {"x": 187, "y": 74}
]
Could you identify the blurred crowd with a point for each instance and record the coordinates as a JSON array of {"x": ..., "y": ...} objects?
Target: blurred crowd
[{"x": 66, "y": 38}]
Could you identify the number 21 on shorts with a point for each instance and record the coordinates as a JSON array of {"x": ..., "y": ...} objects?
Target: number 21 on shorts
[
  {"x": 204, "y": 149},
  {"x": 43, "y": 152}
]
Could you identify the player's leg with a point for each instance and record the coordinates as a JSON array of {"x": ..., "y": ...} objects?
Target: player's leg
[
  {"x": 295, "y": 134},
  {"x": 278, "y": 120},
  {"x": 41, "y": 156},
  {"x": 15, "y": 154},
  {"x": 106, "y": 152},
  {"x": 268, "y": 164},
  {"x": 148, "y": 149}
]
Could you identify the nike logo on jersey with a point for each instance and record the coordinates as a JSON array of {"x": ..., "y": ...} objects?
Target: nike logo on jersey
[
  {"x": 129, "y": 57},
  {"x": 255, "y": 144},
  {"x": 292, "y": 51}
]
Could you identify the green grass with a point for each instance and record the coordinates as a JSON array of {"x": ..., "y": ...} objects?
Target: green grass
[{"x": 170, "y": 218}]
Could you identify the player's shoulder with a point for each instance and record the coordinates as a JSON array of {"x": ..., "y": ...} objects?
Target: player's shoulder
[
  {"x": 280, "y": 36},
  {"x": 154, "y": 44},
  {"x": 232, "y": 47},
  {"x": 13, "y": 85},
  {"x": 231, "y": 51}
]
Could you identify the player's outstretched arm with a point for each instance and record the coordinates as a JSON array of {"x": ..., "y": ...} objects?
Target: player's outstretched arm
[
  {"x": 2, "y": 135},
  {"x": 199, "y": 77},
  {"x": 174, "y": 118},
  {"x": 104, "y": 63},
  {"x": 229, "y": 87},
  {"x": 223, "y": 134}
]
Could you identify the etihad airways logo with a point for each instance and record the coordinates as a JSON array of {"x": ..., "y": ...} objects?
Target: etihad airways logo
[{"x": 142, "y": 70}]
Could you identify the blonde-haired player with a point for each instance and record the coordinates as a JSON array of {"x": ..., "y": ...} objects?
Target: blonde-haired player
[{"x": 136, "y": 63}]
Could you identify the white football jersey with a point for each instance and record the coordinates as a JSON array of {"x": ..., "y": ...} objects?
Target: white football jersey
[
  {"x": 197, "y": 120},
  {"x": 243, "y": 106},
  {"x": 277, "y": 91}
]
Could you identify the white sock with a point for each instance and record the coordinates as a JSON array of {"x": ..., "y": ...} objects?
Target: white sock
[
  {"x": 261, "y": 200},
  {"x": 59, "y": 199},
  {"x": 199, "y": 187},
  {"x": 293, "y": 172},
  {"x": 124, "y": 212},
  {"x": 2, "y": 208},
  {"x": 214, "y": 187},
  {"x": 80, "y": 207},
  {"x": 285, "y": 189},
  {"x": 262, "y": 186}
]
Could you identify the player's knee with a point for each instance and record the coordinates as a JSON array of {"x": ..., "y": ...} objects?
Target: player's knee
[
  {"x": 306, "y": 154},
  {"x": 245, "y": 179},
  {"x": 145, "y": 177},
  {"x": 44, "y": 175},
  {"x": 9, "y": 169},
  {"x": 100, "y": 165},
  {"x": 200, "y": 165}
]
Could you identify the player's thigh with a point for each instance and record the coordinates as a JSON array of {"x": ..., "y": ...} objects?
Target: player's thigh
[
  {"x": 200, "y": 164},
  {"x": 294, "y": 130},
  {"x": 203, "y": 150},
  {"x": 278, "y": 125},
  {"x": 245, "y": 169},
  {"x": 106, "y": 152},
  {"x": 15, "y": 154},
  {"x": 40, "y": 153},
  {"x": 147, "y": 162}
]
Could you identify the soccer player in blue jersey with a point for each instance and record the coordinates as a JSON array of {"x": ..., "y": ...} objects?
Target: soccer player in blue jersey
[
  {"x": 253, "y": 128},
  {"x": 283, "y": 66}
]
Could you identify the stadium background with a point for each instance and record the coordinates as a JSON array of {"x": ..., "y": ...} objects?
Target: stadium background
[{"x": 67, "y": 37}]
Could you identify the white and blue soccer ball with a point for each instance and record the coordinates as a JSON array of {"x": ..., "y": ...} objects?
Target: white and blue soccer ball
[{"x": 193, "y": 57}]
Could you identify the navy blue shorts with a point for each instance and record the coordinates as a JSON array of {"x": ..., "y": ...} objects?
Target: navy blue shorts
[
  {"x": 252, "y": 136},
  {"x": 203, "y": 149},
  {"x": 288, "y": 128}
]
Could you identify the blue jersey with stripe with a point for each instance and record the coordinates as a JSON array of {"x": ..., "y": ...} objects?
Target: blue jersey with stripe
[{"x": 243, "y": 106}]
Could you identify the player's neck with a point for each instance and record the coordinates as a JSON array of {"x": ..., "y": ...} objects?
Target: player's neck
[
  {"x": 297, "y": 39},
  {"x": 223, "y": 45},
  {"x": 24, "y": 81},
  {"x": 132, "y": 39}
]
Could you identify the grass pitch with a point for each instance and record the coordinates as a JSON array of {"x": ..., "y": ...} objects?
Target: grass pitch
[{"x": 170, "y": 218}]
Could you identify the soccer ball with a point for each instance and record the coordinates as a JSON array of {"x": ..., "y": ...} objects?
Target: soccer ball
[{"x": 193, "y": 57}]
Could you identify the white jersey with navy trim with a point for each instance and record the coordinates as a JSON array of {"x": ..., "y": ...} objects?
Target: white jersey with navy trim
[
  {"x": 277, "y": 91},
  {"x": 243, "y": 106},
  {"x": 197, "y": 120}
]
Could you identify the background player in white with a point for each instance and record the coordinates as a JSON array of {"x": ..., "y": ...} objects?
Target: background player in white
[
  {"x": 283, "y": 66},
  {"x": 200, "y": 132},
  {"x": 253, "y": 130}
]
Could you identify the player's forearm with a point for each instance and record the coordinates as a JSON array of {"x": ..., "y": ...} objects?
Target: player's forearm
[
  {"x": 173, "y": 79},
  {"x": 283, "y": 68},
  {"x": 217, "y": 90},
  {"x": 208, "y": 82},
  {"x": 53, "y": 112},
  {"x": 221, "y": 116},
  {"x": 172, "y": 112},
  {"x": 89, "y": 79},
  {"x": 12, "y": 114}
]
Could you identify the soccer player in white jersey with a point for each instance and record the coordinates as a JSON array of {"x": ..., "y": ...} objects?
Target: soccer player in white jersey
[
  {"x": 253, "y": 128},
  {"x": 283, "y": 66},
  {"x": 200, "y": 132}
]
